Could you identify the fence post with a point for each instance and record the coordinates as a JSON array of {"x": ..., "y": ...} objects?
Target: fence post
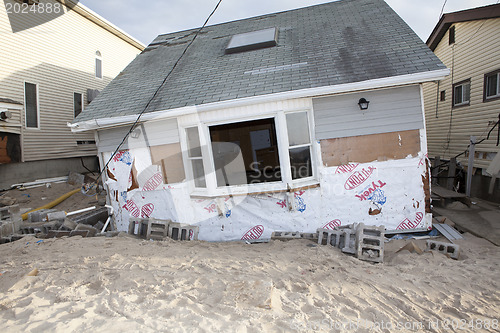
[
  {"x": 470, "y": 164},
  {"x": 452, "y": 167},
  {"x": 435, "y": 170}
]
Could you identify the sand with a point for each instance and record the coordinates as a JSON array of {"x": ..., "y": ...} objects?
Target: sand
[{"x": 124, "y": 284}]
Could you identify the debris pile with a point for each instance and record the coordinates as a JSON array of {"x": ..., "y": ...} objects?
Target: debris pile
[{"x": 49, "y": 223}]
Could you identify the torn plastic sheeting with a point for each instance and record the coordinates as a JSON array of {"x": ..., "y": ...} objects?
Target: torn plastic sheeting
[{"x": 391, "y": 190}]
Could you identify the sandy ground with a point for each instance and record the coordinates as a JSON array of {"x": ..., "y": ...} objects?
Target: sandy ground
[{"x": 125, "y": 284}]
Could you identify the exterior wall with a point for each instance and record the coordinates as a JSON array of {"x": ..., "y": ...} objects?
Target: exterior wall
[
  {"x": 390, "y": 110},
  {"x": 390, "y": 192},
  {"x": 58, "y": 56},
  {"x": 476, "y": 52}
]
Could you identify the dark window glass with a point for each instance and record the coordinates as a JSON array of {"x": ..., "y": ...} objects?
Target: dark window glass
[
  {"x": 300, "y": 162},
  {"x": 98, "y": 68},
  {"x": 442, "y": 96},
  {"x": 31, "y": 105},
  {"x": 492, "y": 85},
  {"x": 245, "y": 152},
  {"x": 77, "y": 103},
  {"x": 452, "y": 36}
]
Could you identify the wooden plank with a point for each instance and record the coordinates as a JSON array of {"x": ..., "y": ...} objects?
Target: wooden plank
[
  {"x": 446, "y": 194},
  {"x": 368, "y": 148},
  {"x": 435, "y": 169},
  {"x": 452, "y": 167}
]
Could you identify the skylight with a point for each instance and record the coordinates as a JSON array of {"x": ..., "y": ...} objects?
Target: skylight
[{"x": 253, "y": 40}]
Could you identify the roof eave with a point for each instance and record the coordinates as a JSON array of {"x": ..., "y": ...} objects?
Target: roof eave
[
  {"x": 480, "y": 13},
  {"x": 86, "y": 12},
  {"x": 102, "y": 123}
]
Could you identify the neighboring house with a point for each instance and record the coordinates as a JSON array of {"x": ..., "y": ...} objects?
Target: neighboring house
[
  {"x": 56, "y": 56},
  {"x": 290, "y": 121},
  {"x": 467, "y": 102}
]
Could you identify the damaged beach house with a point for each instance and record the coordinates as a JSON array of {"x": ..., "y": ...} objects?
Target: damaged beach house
[{"x": 293, "y": 121}]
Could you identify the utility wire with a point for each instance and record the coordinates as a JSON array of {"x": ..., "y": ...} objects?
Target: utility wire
[
  {"x": 442, "y": 10},
  {"x": 153, "y": 97}
]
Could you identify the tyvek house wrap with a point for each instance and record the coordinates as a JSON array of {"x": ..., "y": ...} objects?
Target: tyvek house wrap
[{"x": 389, "y": 193}]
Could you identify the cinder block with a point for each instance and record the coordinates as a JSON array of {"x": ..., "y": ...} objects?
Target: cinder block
[
  {"x": 179, "y": 231},
  {"x": 56, "y": 216},
  {"x": 83, "y": 233},
  {"x": 329, "y": 237},
  {"x": 449, "y": 249},
  {"x": 157, "y": 229},
  {"x": 287, "y": 235},
  {"x": 348, "y": 241},
  {"x": 40, "y": 215},
  {"x": 57, "y": 233},
  {"x": 142, "y": 226},
  {"x": 50, "y": 226},
  {"x": 91, "y": 230},
  {"x": 92, "y": 217},
  {"x": 370, "y": 243}
]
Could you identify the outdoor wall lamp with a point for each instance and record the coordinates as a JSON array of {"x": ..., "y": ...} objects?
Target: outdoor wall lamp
[{"x": 363, "y": 104}]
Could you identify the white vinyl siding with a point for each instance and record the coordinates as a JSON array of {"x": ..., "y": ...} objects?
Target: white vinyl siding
[
  {"x": 157, "y": 133},
  {"x": 59, "y": 56},
  {"x": 390, "y": 110}
]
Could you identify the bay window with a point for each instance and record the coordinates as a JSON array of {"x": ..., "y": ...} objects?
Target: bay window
[{"x": 273, "y": 152}]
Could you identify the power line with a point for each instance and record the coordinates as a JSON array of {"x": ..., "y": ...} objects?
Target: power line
[
  {"x": 442, "y": 10},
  {"x": 154, "y": 95}
]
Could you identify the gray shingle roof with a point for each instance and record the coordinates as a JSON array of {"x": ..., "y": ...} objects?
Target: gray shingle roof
[{"x": 334, "y": 43}]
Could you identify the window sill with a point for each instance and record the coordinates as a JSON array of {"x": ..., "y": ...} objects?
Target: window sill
[
  {"x": 255, "y": 189},
  {"x": 491, "y": 98},
  {"x": 461, "y": 105}
]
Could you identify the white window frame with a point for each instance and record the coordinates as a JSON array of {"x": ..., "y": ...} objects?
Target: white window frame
[
  {"x": 462, "y": 84},
  {"x": 497, "y": 95},
  {"x": 82, "y": 99},
  {"x": 37, "y": 107},
  {"x": 98, "y": 56},
  {"x": 310, "y": 145},
  {"x": 283, "y": 154}
]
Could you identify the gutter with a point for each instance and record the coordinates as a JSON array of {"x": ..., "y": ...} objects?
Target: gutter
[{"x": 407, "y": 79}]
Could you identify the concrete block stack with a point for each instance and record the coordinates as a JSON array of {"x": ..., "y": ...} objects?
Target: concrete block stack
[
  {"x": 10, "y": 220},
  {"x": 365, "y": 242}
]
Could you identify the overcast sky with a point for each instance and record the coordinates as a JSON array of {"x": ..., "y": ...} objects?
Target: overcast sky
[{"x": 145, "y": 20}]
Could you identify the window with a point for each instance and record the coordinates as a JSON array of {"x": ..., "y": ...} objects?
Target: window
[
  {"x": 253, "y": 40},
  {"x": 77, "y": 103},
  {"x": 98, "y": 65},
  {"x": 31, "y": 104},
  {"x": 492, "y": 86},
  {"x": 451, "y": 37},
  {"x": 461, "y": 93},
  {"x": 253, "y": 142},
  {"x": 271, "y": 153},
  {"x": 442, "y": 95},
  {"x": 299, "y": 143},
  {"x": 195, "y": 157}
]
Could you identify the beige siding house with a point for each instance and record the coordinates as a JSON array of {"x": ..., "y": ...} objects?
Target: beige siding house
[
  {"x": 467, "y": 102},
  {"x": 55, "y": 58}
]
